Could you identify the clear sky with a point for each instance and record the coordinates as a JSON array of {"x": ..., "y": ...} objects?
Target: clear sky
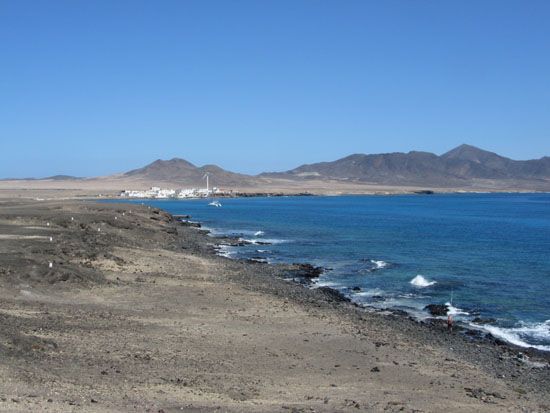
[{"x": 97, "y": 87}]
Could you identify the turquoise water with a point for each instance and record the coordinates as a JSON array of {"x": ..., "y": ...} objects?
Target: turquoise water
[{"x": 488, "y": 255}]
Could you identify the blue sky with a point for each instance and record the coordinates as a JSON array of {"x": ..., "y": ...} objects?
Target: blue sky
[{"x": 97, "y": 87}]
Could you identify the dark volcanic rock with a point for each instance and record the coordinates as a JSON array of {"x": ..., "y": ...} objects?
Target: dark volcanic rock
[
  {"x": 190, "y": 224},
  {"x": 333, "y": 295},
  {"x": 481, "y": 320},
  {"x": 307, "y": 270},
  {"x": 437, "y": 309}
]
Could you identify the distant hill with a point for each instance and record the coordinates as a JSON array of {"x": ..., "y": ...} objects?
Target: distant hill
[
  {"x": 465, "y": 167},
  {"x": 62, "y": 178},
  {"x": 462, "y": 166},
  {"x": 48, "y": 178},
  {"x": 180, "y": 171}
]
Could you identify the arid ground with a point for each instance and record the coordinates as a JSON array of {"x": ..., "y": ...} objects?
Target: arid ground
[{"x": 137, "y": 313}]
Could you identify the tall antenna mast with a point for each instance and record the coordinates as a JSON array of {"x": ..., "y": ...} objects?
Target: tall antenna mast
[{"x": 207, "y": 187}]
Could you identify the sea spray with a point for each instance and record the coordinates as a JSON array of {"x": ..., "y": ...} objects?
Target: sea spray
[
  {"x": 379, "y": 264},
  {"x": 524, "y": 335},
  {"x": 452, "y": 310},
  {"x": 421, "y": 282}
]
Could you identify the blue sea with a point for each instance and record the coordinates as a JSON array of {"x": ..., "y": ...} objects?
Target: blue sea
[{"x": 486, "y": 255}]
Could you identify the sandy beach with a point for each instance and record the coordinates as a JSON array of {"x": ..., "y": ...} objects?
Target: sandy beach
[{"x": 137, "y": 313}]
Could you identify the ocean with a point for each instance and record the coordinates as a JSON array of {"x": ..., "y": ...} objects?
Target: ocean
[{"x": 486, "y": 255}]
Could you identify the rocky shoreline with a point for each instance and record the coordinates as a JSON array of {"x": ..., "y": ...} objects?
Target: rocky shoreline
[
  {"x": 138, "y": 312},
  {"x": 507, "y": 359},
  {"x": 305, "y": 274}
]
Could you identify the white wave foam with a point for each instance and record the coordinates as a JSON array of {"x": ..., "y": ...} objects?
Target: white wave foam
[
  {"x": 421, "y": 282},
  {"x": 216, "y": 232},
  {"x": 370, "y": 293},
  {"x": 520, "y": 336},
  {"x": 234, "y": 232},
  {"x": 261, "y": 241},
  {"x": 261, "y": 260},
  {"x": 379, "y": 264},
  {"x": 374, "y": 266},
  {"x": 226, "y": 251},
  {"x": 454, "y": 310},
  {"x": 331, "y": 284},
  {"x": 248, "y": 233}
]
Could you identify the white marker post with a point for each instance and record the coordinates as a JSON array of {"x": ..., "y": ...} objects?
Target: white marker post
[
  {"x": 50, "y": 265},
  {"x": 51, "y": 239}
]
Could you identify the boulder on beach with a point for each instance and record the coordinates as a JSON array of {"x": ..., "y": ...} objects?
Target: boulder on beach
[
  {"x": 307, "y": 270},
  {"x": 482, "y": 320},
  {"x": 190, "y": 224},
  {"x": 333, "y": 295},
  {"x": 437, "y": 309}
]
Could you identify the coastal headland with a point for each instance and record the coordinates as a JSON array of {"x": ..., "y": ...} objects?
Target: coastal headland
[{"x": 120, "y": 307}]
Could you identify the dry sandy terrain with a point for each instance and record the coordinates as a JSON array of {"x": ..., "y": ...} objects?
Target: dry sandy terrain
[
  {"x": 112, "y": 186},
  {"x": 141, "y": 316}
]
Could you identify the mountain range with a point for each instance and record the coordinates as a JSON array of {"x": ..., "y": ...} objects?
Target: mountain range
[
  {"x": 461, "y": 166},
  {"x": 464, "y": 166}
]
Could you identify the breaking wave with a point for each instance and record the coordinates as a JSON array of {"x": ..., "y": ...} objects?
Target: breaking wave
[
  {"x": 379, "y": 264},
  {"x": 524, "y": 334},
  {"x": 262, "y": 241},
  {"x": 367, "y": 266},
  {"x": 370, "y": 293},
  {"x": 421, "y": 282},
  {"x": 452, "y": 310},
  {"x": 219, "y": 232},
  {"x": 226, "y": 251}
]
